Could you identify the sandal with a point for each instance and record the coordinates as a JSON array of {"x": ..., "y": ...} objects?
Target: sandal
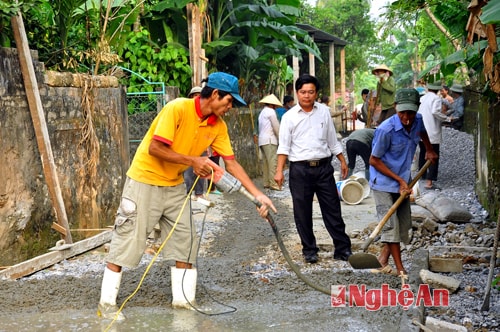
[
  {"x": 404, "y": 277},
  {"x": 385, "y": 270}
]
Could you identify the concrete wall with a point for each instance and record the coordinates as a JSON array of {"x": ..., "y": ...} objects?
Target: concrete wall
[
  {"x": 90, "y": 191},
  {"x": 484, "y": 115}
]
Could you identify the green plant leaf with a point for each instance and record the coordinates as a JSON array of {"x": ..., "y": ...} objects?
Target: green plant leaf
[
  {"x": 169, "y": 4},
  {"x": 491, "y": 13}
]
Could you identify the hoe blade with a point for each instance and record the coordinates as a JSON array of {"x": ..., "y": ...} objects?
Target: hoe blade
[{"x": 363, "y": 260}]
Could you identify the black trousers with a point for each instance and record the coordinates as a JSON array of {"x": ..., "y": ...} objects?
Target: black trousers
[
  {"x": 458, "y": 123},
  {"x": 432, "y": 171},
  {"x": 355, "y": 148},
  {"x": 305, "y": 181}
]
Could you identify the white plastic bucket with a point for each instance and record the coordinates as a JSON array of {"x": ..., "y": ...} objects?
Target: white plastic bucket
[
  {"x": 359, "y": 177},
  {"x": 336, "y": 176},
  {"x": 350, "y": 191}
]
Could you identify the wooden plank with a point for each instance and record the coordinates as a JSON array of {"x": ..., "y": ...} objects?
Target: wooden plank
[
  {"x": 194, "y": 35},
  {"x": 342, "y": 75},
  {"x": 89, "y": 229},
  {"x": 41, "y": 262},
  {"x": 59, "y": 228},
  {"x": 39, "y": 124}
]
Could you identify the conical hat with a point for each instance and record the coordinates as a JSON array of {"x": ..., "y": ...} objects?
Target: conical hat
[
  {"x": 382, "y": 67},
  {"x": 271, "y": 99}
]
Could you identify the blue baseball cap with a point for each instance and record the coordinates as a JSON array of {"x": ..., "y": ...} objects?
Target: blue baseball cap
[{"x": 225, "y": 82}]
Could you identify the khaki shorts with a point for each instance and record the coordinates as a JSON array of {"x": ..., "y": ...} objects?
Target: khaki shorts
[
  {"x": 397, "y": 227},
  {"x": 142, "y": 207}
]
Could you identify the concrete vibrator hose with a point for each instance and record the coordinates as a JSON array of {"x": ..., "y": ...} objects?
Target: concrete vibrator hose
[{"x": 229, "y": 184}]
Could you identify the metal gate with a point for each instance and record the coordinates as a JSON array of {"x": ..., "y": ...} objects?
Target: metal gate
[{"x": 143, "y": 104}]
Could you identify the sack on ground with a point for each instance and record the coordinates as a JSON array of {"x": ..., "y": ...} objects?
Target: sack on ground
[
  {"x": 419, "y": 213},
  {"x": 445, "y": 209}
]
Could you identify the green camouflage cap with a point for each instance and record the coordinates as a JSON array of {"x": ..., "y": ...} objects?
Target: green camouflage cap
[
  {"x": 407, "y": 100},
  {"x": 457, "y": 88},
  {"x": 435, "y": 86}
]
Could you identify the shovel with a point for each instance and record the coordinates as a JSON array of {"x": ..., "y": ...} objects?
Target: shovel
[{"x": 363, "y": 260}]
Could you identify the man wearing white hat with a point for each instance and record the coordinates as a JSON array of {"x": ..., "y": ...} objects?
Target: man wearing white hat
[
  {"x": 269, "y": 128},
  {"x": 195, "y": 92},
  {"x": 386, "y": 89}
]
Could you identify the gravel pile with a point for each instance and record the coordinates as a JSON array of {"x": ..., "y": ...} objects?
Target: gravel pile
[{"x": 456, "y": 180}]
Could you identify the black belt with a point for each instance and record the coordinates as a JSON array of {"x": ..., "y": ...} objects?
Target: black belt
[{"x": 313, "y": 163}]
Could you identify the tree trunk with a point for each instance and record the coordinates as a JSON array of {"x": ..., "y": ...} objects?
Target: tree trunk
[{"x": 442, "y": 28}]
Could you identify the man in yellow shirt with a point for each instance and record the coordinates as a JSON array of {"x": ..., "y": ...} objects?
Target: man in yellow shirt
[{"x": 154, "y": 190}]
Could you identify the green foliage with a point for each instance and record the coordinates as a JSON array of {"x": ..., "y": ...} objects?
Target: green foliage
[
  {"x": 348, "y": 20},
  {"x": 414, "y": 23},
  {"x": 491, "y": 13},
  {"x": 453, "y": 14},
  {"x": 278, "y": 38},
  {"x": 496, "y": 283},
  {"x": 250, "y": 39},
  {"x": 168, "y": 63},
  {"x": 9, "y": 9},
  {"x": 471, "y": 55},
  {"x": 364, "y": 80},
  {"x": 171, "y": 4},
  {"x": 166, "y": 21}
]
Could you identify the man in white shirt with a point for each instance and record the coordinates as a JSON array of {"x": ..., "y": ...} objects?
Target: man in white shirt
[
  {"x": 431, "y": 110},
  {"x": 308, "y": 139}
]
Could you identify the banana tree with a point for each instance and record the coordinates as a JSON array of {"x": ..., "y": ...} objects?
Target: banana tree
[
  {"x": 251, "y": 40},
  {"x": 439, "y": 27}
]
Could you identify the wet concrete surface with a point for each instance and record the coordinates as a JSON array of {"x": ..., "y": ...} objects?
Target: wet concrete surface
[{"x": 244, "y": 283}]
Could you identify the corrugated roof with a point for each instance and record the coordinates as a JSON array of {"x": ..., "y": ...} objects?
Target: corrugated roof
[{"x": 320, "y": 36}]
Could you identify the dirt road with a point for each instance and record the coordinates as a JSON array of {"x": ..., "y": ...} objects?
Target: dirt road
[{"x": 241, "y": 273}]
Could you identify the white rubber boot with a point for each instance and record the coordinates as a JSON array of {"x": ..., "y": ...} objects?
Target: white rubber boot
[
  {"x": 107, "y": 307},
  {"x": 183, "y": 287}
]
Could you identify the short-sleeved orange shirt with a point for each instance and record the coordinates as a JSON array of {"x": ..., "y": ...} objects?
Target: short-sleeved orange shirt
[{"x": 180, "y": 125}]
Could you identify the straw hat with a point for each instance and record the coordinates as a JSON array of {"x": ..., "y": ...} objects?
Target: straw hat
[
  {"x": 271, "y": 99},
  {"x": 457, "y": 88},
  {"x": 382, "y": 67}
]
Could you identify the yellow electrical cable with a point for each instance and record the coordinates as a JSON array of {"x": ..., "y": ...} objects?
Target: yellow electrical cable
[{"x": 159, "y": 249}]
